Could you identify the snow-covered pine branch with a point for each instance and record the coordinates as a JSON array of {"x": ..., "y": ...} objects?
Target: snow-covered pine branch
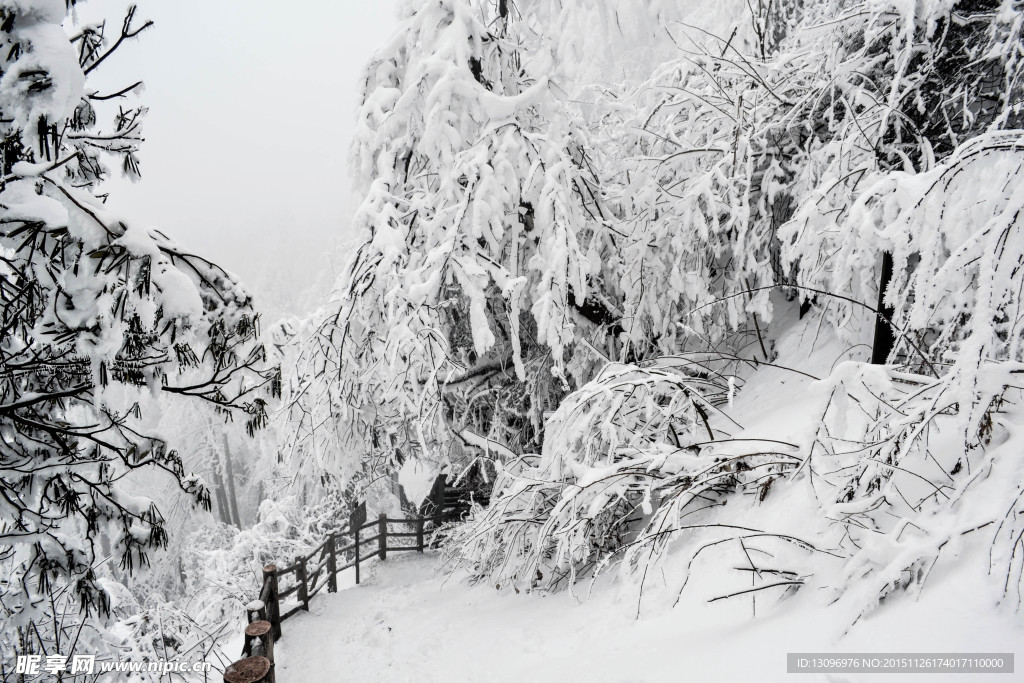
[{"x": 99, "y": 319}]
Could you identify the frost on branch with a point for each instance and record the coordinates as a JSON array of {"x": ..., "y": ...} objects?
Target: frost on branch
[{"x": 98, "y": 319}]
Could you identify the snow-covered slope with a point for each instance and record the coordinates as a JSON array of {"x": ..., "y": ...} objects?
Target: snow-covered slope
[{"x": 406, "y": 623}]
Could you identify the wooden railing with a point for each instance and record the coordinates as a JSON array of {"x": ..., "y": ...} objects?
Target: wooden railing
[
  {"x": 264, "y": 616},
  {"x": 312, "y": 575}
]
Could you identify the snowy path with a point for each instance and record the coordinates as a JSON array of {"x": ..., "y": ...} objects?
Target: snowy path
[{"x": 406, "y": 624}]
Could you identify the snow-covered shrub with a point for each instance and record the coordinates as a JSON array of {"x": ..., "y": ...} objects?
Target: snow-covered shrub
[
  {"x": 955, "y": 235},
  {"x": 903, "y": 465},
  {"x": 613, "y": 451},
  {"x": 880, "y": 484}
]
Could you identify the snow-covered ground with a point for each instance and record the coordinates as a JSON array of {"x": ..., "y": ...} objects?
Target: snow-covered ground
[
  {"x": 406, "y": 622},
  {"x": 409, "y": 621}
]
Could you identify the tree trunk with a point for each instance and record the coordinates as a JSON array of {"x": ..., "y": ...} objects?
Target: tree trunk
[
  {"x": 229, "y": 472},
  {"x": 222, "y": 504},
  {"x": 884, "y": 339}
]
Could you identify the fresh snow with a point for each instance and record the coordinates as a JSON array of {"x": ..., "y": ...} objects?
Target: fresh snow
[
  {"x": 416, "y": 478},
  {"x": 406, "y": 622}
]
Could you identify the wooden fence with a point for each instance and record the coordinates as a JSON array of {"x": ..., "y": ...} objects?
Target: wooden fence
[{"x": 311, "y": 574}]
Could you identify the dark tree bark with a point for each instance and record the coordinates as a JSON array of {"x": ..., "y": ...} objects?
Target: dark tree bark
[{"x": 884, "y": 339}]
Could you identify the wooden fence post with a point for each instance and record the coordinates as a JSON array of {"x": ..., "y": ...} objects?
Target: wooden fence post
[
  {"x": 332, "y": 565},
  {"x": 249, "y": 670},
  {"x": 356, "y": 536},
  {"x": 270, "y": 599},
  {"x": 259, "y": 642},
  {"x": 300, "y": 574},
  {"x": 419, "y": 532},
  {"x": 382, "y": 537},
  {"x": 256, "y": 610},
  {"x": 437, "y": 496}
]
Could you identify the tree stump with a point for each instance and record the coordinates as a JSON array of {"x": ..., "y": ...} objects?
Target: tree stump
[
  {"x": 249, "y": 670},
  {"x": 255, "y": 611},
  {"x": 259, "y": 640}
]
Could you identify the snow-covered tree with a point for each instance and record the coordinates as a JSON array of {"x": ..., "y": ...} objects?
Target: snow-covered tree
[
  {"x": 586, "y": 228},
  {"x": 463, "y": 174},
  {"x": 99, "y": 319},
  {"x": 794, "y": 160},
  {"x": 494, "y": 270}
]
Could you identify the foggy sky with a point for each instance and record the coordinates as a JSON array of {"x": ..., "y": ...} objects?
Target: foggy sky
[{"x": 251, "y": 107}]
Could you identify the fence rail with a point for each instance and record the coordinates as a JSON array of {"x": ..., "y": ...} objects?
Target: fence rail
[
  {"x": 322, "y": 565},
  {"x": 264, "y": 616}
]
